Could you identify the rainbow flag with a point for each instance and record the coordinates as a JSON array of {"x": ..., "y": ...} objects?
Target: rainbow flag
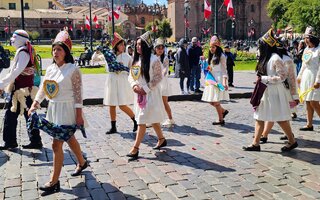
[{"x": 210, "y": 80}]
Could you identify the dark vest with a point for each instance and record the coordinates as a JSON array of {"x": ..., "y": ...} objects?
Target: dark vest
[{"x": 23, "y": 81}]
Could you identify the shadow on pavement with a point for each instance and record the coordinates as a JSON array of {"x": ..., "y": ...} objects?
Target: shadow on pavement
[
  {"x": 186, "y": 159},
  {"x": 241, "y": 128},
  {"x": 187, "y": 130}
]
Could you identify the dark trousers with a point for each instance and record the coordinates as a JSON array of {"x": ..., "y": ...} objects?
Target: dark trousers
[
  {"x": 230, "y": 74},
  {"x": 182, "y": 81},
  {"x": 10, "y": 125},
  {"x": 195, "y": 77}
]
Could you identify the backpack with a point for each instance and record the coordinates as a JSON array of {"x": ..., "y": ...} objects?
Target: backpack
[{"x": 4, "y": 60}]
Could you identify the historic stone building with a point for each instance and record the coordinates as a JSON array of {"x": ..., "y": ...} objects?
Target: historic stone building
[{"x": 250, "y": 21}]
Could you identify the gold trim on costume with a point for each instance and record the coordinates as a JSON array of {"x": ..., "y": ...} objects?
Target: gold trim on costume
[
  {"x": 135, "y": 72},
  {"x": 51, "y": 88}
]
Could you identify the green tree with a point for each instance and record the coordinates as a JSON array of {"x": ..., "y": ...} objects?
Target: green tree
[
  {"x": 164, "y": 29},
  {"x": 276, "y": 10}
]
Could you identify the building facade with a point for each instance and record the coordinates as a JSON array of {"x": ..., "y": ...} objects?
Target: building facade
[
  {"x": 250, "y": 20},
  {"x": 28, "y": 4}
]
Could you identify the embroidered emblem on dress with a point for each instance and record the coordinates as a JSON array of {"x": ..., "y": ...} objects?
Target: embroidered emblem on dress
[
  {"x": 307, "y": 56},
  {"x": 51, "y": 88},
  {"x": 135, "y": 72}
]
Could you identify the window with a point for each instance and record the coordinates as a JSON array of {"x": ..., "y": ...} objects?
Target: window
[
  {"x": 26, "y": 6},
  {"x": 252, "y": 8},
  {"x": 50, "y": 4},
  {"x": 143, "y": 20},
  {"x": 12, "y": 6}
]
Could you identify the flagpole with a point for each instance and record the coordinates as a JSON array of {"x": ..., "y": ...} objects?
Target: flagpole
[
  {"x": 90, "y": 26},
  {"x": 112, "y": 10},
  {"x": 215, "y": 17}
]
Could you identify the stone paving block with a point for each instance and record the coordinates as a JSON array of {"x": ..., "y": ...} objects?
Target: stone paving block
[
  {"x": 12, "y": 183},
  {"x": 215, "y": 195},
  {"x": 177, "y": 191},
  {"x": 283, "y": 196},
  {"x": 312, "y": 185},
  {"x": 253, "y": 179},
  {"x": 166, "y": 169},
  {"x": 147, "y": 194},
  {"x": 98, "y": 194},
  {"x": 157, "y": 188},
  {"x": 116, "y": 196},
  {"x": 197, "y": 194},
  {"x": 30, "y": 194},
  {"x": 223, "y": 189},
  {"x": 188, "y": 185},
  {"x": 109, "y": 187},
  {"x": 293, "y": 183},
  {"x": 289, "y": 190},
  {"x": 29, "y": 185},
  {"x": 310, "y": 192},
  {"x": 130, "y": 176},
  {"x": 77, "y": 182},
  {"x": 81, "y": 192},
  {"x": 1, "y": 195},
  {"x": 139, "y": 184},
  {"x": 166, "y": 181},
  {"x": 12, "y": 192},
  {"x": 263, "y": 194},
  {"x": 102, "y": 178},
  {"x": 269, "y": 188},
  {"x": 244, "y": 193},
  {"x": 205, "y": 187},
  {"x": 229, "y": 182},
  {"x": 176, "y": 176},
  {"x": 129, "y": 191},
  {"x": 304, "y": 197},
  {"x": 166, "y": 196},
  {"x": 92, "y": 184},
  {"x": 273, "y": 181}
]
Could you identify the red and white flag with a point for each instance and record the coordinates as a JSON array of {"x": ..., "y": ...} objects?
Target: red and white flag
[
  {"x": 229, "y": 5},
  {"x": 116, "y": 13},
  {"x": 206, "y": 31},
  {"x": 87, "y": 23},
  {"x": 6, "y": 29},
  {"x": 70, "y": 28},
  {"x": 97, "y": 25},
  {"x": 207, "y": 9},
  {"x": 82, "y": 29},
  {"x": 186, "y": 23},
  {"x": 95, "y": 19}
]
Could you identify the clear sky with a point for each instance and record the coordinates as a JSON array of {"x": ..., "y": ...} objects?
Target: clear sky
[{"x": 149, "y": 2}]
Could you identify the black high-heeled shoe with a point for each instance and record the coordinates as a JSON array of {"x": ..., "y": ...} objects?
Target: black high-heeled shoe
[
  {"x": 51, "y": 188},
  {"x": 163, "y": 144},
  {"x": 263, "y": 140},
  {"x": 77, "y": 172},
  {"x": 133, "y": 156}
]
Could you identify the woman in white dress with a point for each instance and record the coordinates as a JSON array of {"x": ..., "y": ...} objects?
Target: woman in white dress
[
  {"x": 65, "y": 105},
  {"x": 274, "y": 104},
  {"x": 309, "y": 76},
  {"x": 145, "y": 77},
  {"x": 218, "y": 69},
  {"x": 117, "y": 89},
  {"x": 165, "y": 86}
]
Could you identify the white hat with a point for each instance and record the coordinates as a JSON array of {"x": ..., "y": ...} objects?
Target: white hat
[{"x": 194, "y": 39}]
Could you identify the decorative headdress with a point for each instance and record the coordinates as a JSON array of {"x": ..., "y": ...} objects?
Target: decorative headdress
[
  {"x": 310, "y": 31},
  {"x": 158, "y": 42},
  {"x": 22, "y": 33},
  {"x": 116, "y": 39},
  {"x": 146, "y": 37},
  {"x": 63, "y": 37},
  {"x": 215, "y": 40},
  {"x": 22, "y": 38},
  {"x": 270, "y": 39}
]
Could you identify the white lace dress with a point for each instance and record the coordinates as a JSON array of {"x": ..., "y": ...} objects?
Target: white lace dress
[
  {"x": 154, "y": 111},
  {"x": 165, "y": 85},
  {"x": 211, "y": 93},
  {"x": 310, "y": 73},
  {"x": 117, "y": 90},
  {"x": 62, "y": 107},
  {"x": 274, "y": 105}
]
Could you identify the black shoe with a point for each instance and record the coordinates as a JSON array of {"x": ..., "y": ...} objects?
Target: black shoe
[
  {"x": 306, "y": 128},
  {"x": 252, "y": 148},
  {"x": 77, "y": 172},
  {"x": 51, "y": 188},
  {"x": 294, "y": 115},
  {"x": 163, "y": 144},
  {"x": 111, "y": 131},
  {"x": 219, "y": 123},
  {"x": 289, "y": 148},
  {"x": 133, "y": 156},
  {"x": 224, "y": 114},
  {"x": 263, "y": 140},
  {"x": 231, "y": 85},
  {"x": 198, "y": 91},
  {"x": 283, "y": 137},
  {"x": 32, "y": 146},
  {"x": 135, "y": 126},
  {"x": 8, "y": 146}
]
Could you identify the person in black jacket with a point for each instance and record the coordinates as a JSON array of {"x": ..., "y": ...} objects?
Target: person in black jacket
[
  {"x": 230, "y": 64},
  {"x": 182, "y": 69}
]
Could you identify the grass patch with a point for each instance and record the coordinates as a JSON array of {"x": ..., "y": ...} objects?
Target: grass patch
[
  {"x": 100, "y": 70},
  {"x": 245, "y": 65}
]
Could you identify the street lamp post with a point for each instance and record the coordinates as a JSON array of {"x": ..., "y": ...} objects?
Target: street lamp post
[
  {"x": 90, "y": 26},
  {"x": 153, "y": 26},
  {"x": 186, "y": 12},
  {"x": 250, "y": 32},
  {"x": 5, "y": 29},
  {"x": 84, "y": 32},
  {"x": 232, "y": 28},
  {"x": 9, "y": 23},
  {"x": 22, "y": 14}
]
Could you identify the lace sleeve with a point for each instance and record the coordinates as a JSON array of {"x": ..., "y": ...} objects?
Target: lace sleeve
[
  {"x": 223, "y": 62},
  {"x": 77, "y": 88},
  {"x": 165, "y": 66},
  {"x": 292, "y": 78},
  {"x": 156, "y": 78},
  {"x": 281, "y": 72}
]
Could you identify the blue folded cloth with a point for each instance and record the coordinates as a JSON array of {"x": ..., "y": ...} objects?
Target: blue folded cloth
[
  {"x": 59, "y": 132},
  {"x": 113, "y": 64}
]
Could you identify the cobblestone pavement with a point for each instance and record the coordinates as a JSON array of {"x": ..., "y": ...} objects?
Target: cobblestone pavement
[{"x": 201, "y": 161}]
